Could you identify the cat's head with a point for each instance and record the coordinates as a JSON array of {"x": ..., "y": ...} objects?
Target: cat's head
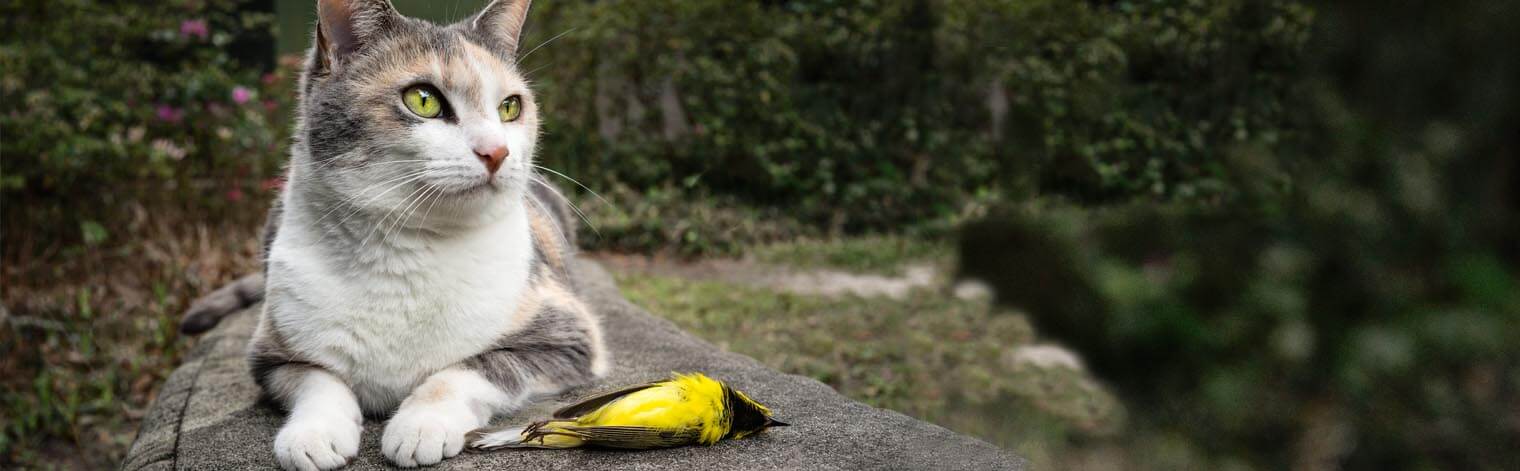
[{"x": 397, "y": 112}]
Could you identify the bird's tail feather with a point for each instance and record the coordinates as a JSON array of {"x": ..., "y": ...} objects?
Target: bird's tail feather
[{"x": 545, "y": 434}]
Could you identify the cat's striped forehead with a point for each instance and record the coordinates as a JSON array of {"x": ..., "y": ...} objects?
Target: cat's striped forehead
[{"x": 448, "y": 58}]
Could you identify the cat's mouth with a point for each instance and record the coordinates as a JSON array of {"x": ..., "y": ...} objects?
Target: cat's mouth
[
  {"x": 464, "y": 188},
  {"x": 486, "y": 187},
  {"x": 475, "y": 189}
]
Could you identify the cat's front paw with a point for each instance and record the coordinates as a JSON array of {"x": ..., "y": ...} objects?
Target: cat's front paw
[
  {"x": 426, "y": 434},
  {"x": 317, "y": 443}
]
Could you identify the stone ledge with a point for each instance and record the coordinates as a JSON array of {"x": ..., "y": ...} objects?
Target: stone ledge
[{"x": 208, "y": 416}]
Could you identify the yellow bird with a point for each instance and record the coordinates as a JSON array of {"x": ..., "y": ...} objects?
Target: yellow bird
[{"x": 687, "y": 409}]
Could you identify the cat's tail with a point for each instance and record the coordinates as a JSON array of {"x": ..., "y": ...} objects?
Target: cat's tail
[{"x": 209, "y": 310}]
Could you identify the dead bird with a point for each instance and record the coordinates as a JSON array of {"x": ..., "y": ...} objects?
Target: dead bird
[{"x": 688, "y": 409}]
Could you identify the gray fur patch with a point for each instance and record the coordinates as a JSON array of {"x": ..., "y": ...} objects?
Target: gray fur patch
[
  {"x": 556, "y": 347},
  {"x": 275, "y": 368}
]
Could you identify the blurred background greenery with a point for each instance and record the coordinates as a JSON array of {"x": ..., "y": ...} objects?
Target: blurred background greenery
[{"x": 1279, "y": 234}]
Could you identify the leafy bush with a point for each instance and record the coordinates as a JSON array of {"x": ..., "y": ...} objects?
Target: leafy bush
[
  {"x": 1366, "y": 316},
  {"x": 679, "y": 220},
  {"x": 109, "y": 102},
  {"x": 866, "y": 115}
]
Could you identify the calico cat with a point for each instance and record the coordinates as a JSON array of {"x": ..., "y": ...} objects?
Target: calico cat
[{"x": 415, "y": 264}]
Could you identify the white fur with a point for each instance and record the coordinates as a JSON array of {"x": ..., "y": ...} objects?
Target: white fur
[
  {"x": 322, "y": 431},
  {"x": 431, "y": 425},
  {"x": 414, "y": 305}
]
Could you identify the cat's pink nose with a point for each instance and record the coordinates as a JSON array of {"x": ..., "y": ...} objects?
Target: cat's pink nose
[{"x": 492, "y": 157}]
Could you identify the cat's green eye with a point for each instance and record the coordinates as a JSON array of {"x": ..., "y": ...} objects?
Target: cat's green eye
[
  {"x": 423, "y": 100},
  {"x": 510, "y": 109}
]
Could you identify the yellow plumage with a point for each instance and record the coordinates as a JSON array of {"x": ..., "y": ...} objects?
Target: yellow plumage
[{"x": 687, "y": 409}]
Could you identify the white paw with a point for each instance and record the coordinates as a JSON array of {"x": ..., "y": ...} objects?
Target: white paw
[
  {"x": 426, "y": 434},
  {"x": 317, "y": 443}
]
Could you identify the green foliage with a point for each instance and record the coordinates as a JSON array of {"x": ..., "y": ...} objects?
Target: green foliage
[
  {"x": 685, "y": 221},
  {"x": 1376, "y": 295},
  {"x": 866, "y": 115},
  {"x": 145, "y": 99}
]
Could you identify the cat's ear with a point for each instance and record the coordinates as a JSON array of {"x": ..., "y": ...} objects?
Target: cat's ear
[
  {"x": 502, "y": 21},
  {"x": 346, "y": 26}
]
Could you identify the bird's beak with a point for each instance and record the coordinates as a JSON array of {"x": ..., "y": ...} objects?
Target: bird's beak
[{"x": 776, "y": 423}]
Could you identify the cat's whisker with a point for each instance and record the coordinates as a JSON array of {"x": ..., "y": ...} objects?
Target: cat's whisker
[
  {"x": 412, "y": 178},
  {"x": 348, "y": 202},
  {"x": 542, "y": 44},
  {"x": 356, "y": 209},
  {"x": 381, "y": 222},
  {"x": 394, "y": 225},
  {"x": 429, "y": 212},
  {"x": 333, "y": 162},
  {"x": 353, "y": 210},
  {"x": 388, "y": 162},
  {"x": 407, "y": 216},
  {"x": 573, "y": 207},
  {"x": 530, "y": 73},
  {"x": 572, "y": 180},
  {"x": 360, "y": 194},
  {"x": 552, "y": 221}
]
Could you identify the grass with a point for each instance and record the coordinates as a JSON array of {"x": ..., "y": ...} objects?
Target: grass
[
  {"x": 931, "y": 356},
  {"x": 881, "y": 254}
]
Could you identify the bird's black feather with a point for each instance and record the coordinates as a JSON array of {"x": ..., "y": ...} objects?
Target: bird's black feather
[{"x": 622, "y": 436}]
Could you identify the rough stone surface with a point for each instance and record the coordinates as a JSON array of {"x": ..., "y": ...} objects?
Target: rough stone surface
[{"x": 208, "y": 415}]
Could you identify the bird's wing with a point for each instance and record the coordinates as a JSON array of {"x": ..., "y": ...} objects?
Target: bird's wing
[
  {"x": 635, "y": 437},
  {"x": 592, "y": 403}
]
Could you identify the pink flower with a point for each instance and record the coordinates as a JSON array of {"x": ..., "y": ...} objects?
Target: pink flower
[
  {"x": 235, "y": 194},
  {"x": 196, "y": 27},
  {"x": 169, "y": 113},
  {"x": 241, "y": 94}
]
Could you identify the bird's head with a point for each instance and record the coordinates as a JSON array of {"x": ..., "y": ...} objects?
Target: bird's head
[{"x": 749, "y": 416}]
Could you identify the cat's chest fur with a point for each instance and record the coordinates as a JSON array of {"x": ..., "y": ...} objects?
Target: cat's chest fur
[{"x": 402, "y": 309}]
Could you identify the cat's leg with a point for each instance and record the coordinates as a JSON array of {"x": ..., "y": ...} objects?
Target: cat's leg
[
  {"x": 560, "y": 348},
  {"x": 431, "y": 424},
  {"x": 324, "y": 423}
]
